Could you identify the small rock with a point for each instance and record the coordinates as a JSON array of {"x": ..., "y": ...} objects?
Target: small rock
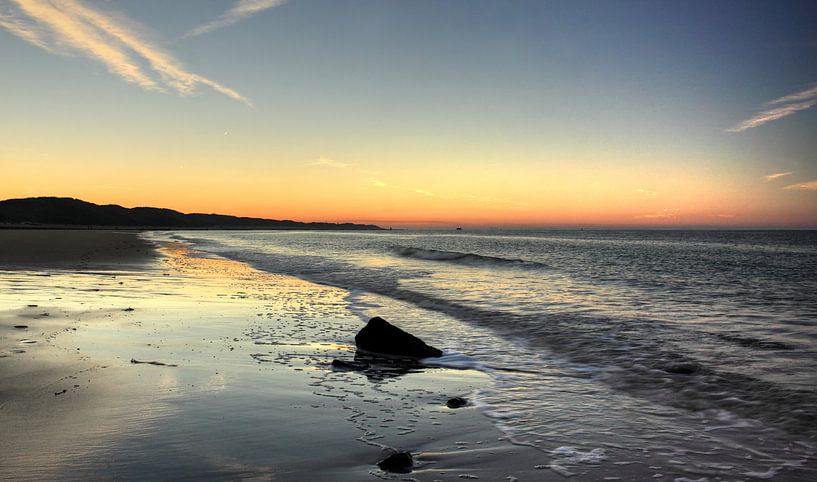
[
  {"x": 380, "y": 336},
  {"x": 60, "y": 392},
  {"x": 456, "y": 402},
  {"x": 400, "y": 462},
  {"x": 22, "y": 327},
  {"x": 128, "y": 309},
  {"x": 157, "y": 363}
]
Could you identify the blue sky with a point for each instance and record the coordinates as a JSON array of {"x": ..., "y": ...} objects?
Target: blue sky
[{"x": 617, "y": 95}]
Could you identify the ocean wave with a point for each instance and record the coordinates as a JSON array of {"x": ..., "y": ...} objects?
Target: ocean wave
[
  {"x": 646, "y": 358},
  {"x": 638, "y": 356},
  {"x": 456, "y": 256}
]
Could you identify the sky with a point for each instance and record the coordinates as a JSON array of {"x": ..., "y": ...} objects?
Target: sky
[{"x": 417, "y": 112}]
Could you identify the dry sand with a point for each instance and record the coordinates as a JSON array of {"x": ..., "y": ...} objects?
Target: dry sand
[{"x": 240, "y": 385}]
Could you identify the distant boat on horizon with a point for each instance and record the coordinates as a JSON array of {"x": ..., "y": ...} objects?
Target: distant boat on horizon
[{"x": 459, "y": 229}]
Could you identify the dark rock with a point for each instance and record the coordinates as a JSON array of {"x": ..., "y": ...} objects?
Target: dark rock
[
  {"x": 157, "y": 363},
  {"x": 380, "y": 336},
  {"x": 400, "y": 462},
  {"x": 22, "y": 327},
  {"x": 686, "y": 368},
  {"x": 456, "y": 402},
  {"x": 60, "y": 392},
  {"x": 349, "y": 366},
  {"x": 128, "y": 309}
]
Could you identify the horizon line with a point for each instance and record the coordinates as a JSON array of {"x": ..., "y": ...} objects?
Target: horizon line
[{"x": 387, "y": 224}]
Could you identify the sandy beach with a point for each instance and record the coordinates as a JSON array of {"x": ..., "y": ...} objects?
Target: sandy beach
[
  {"x": 408, "y": 240},
  {"x": 129, "y": 360}
]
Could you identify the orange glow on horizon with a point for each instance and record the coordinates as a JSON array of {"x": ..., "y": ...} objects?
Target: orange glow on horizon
[{"x": 559, "y": 192}]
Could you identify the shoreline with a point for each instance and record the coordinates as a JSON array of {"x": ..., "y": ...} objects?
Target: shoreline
[
  {"x": 235, "y": 351},
  {"x": 176, "y": 363}
]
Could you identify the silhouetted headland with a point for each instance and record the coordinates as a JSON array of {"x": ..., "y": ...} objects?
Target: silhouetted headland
[{"x": 70, "y": 212}]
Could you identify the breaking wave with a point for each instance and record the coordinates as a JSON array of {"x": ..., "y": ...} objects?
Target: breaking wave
[{"x": 465, "y": 258}]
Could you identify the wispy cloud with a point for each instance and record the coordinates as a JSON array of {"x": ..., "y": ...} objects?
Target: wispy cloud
[
  {"x": 803, "y": 186},
  {"x": 325, "y": 161},
  {"x": 776, "y": 175},
  {"x": 377, "y": 183},
  {"x": 70, "y": 26},
  {"x": 646, "y": 192},
  {"x": 424, "y": 192},
  {"x": 239, "y": 11},
  {"x": 669, "y": 213},
  {"x": 778, "y": 109}
]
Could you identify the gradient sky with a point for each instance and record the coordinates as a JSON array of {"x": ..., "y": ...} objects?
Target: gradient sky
[{"x": 450, "y": 112}]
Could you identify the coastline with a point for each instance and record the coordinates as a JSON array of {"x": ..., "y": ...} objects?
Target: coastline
[{"x": 170, "y": 363}]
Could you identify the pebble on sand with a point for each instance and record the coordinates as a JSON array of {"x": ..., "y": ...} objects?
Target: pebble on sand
[
  {"x": 456, "y": 402},
  {"x": 399, "y": 462}
]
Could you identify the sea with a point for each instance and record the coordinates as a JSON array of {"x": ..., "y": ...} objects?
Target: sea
[{"x": 692, "y": 353}]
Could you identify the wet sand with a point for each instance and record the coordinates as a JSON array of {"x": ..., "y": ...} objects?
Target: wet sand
[
  {"x": 28, "y": 249},
  {"x": 143, "y": 363}
]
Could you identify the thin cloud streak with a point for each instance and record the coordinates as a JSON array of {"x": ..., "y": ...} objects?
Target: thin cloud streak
[
  {"x": 777, "y": 175},
  {"x": 67, "y": 26},
  {"x": 803, "y": 186},
  {"x": 325, "y": 161},
  {"x": 669, "y": 213},
  {"x": 646, "y": 192},
  {"x": 798, "y": 97},
  {"x": 778, "y": 109},
  {"x": 24, "y": 30},
  {"x": 239, "y": 11}
]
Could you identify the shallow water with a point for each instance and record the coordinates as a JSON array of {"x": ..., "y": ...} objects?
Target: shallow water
[
  {"x": 690, "y": 353},
  {"x": 204, "y": 368}
]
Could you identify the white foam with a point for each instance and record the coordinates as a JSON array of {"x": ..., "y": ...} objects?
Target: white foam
[
  {"x": 561, "y": 470},
  {"x": 363, "y": 309},
  {"x": 572, "y": 454},
  {"x": 456, "y": 360},
  {"x": 763, "y": 475}
]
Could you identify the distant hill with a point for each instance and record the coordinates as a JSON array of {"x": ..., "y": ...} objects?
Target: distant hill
[{"x": 61, "y": 211}]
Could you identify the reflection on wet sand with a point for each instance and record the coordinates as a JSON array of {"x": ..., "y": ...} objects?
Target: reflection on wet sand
[{"x": 236, "y": 380}]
